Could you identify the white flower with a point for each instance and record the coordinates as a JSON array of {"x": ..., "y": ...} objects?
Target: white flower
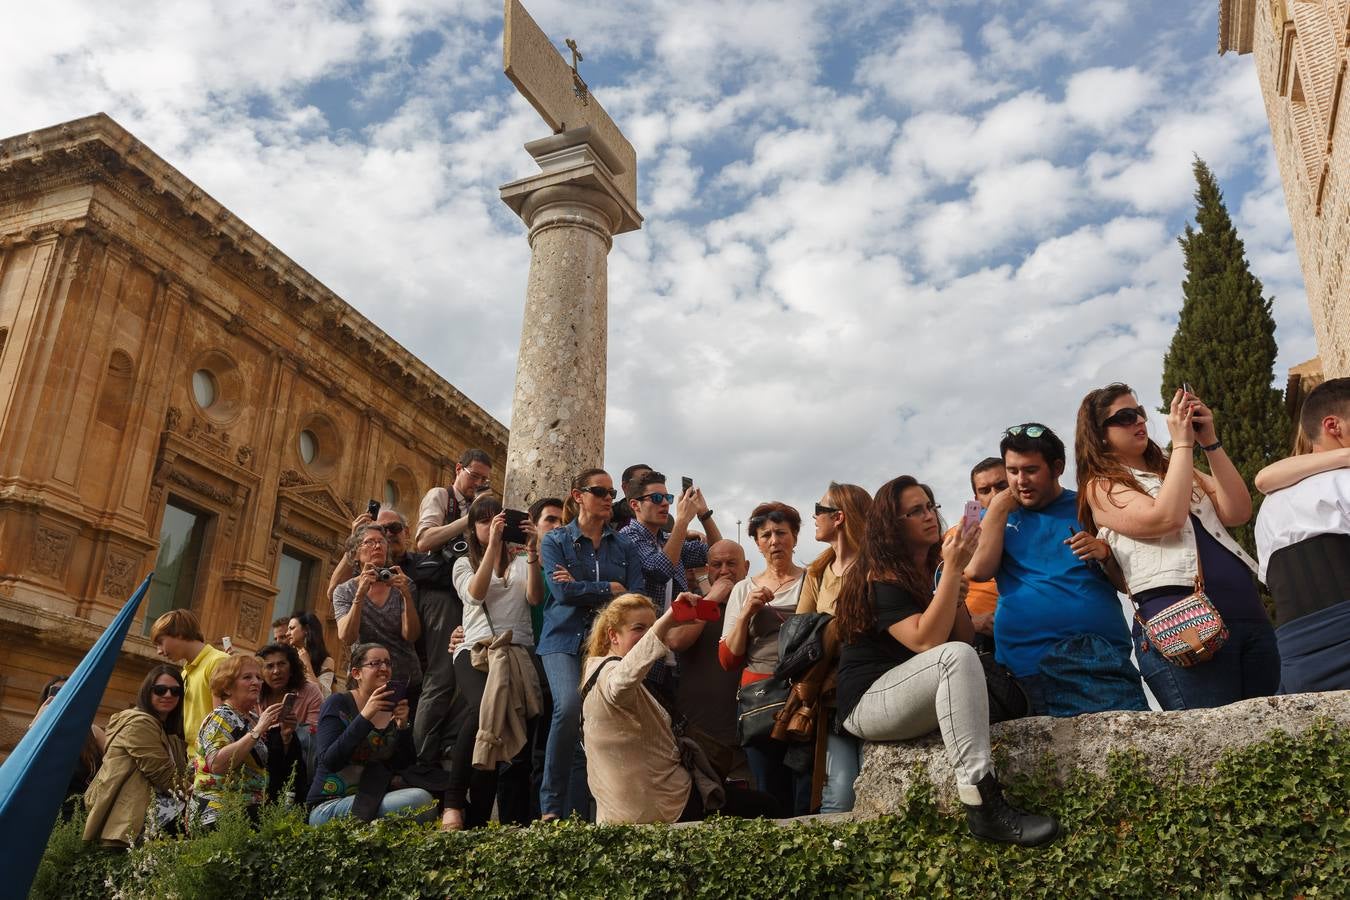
[{"x": 838, "y": 844}]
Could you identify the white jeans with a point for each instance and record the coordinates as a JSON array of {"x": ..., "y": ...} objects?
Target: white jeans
[{"x": 942, "y": 688}]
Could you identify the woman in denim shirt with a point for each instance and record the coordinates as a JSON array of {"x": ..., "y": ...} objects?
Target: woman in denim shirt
[{"x": 587, "y": 564}]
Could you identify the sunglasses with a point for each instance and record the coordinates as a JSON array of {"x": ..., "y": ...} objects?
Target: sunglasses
[
  {"x": 1125, "y": 417},
  {"x": 823, "y": 510},
  {"x": 1030, "y": 429},
  {"x": 392, "y": 528},
  {"x": 656, "y": 498},
  {"x": 603, "y": 493},
  {"x": 166, "y": 690}
]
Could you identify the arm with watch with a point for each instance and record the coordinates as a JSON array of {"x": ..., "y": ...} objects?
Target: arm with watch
[{"x": 1225, "y": 485}]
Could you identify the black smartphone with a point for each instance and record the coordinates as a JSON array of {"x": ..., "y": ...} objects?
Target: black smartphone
[
  {"x": 398, "y": 690},
  {"x": 288, "y": 703},
  {"x": 685, "y": 484},
  {"x": 373, "y": 509},
  {"x": 513, "y": 533}
]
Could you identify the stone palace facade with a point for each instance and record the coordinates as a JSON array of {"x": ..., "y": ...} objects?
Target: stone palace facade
[
  {"x": 1301, "y": 49},
  {"x": 178, "y": 395}
]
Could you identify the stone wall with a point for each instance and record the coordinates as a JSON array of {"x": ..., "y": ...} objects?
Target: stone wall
[
  {"x": 121, "y": 281},
  {"x": 1194, "y": 739},
  {"x": 1301, "y": 55}
]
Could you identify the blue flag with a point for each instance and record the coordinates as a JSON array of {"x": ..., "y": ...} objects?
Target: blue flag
[{"x": 34, "y": 778}]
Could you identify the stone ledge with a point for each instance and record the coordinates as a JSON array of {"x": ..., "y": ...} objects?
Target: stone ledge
[{"x": 1194, "y": 738}]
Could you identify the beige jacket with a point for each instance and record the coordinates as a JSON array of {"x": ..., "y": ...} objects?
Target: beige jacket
[
  {"x": 140, "y": 760},
  {"x": 510, "y": 698},
  {"x": 633, "y": 764}
]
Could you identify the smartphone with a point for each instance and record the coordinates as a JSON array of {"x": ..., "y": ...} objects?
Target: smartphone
[
  {"x": 513, "y": 533},
  {"x": 970, "y": 516},
  {"x": 288, "y": 703},
  {"x": 1186, "y": 389},
  {"x": 373, "y": 509},
  {"x": 685, "y": 484},
  {"x": 707, "y": 610},
  {"x": 225, "y": 642},
  {"x": 399, "y": 689}
]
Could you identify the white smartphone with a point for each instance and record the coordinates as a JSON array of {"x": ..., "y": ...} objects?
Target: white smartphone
[{"x": 225, "y": 642}]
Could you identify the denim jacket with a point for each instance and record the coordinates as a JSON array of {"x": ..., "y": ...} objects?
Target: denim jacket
[{"x": 571, "y": 605}]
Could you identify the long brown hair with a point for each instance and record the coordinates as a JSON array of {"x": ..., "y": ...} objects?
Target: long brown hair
[
  {"x": 483, "y": 509},
  {"x": 1097, "y": 464},
  {"x": 173, "y": 722},
  {"x": 885, "y": 556},
  {"x": 855, "y": 503}
]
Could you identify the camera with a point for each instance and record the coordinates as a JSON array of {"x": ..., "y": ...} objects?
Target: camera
[{"x": 384, "y": 574}]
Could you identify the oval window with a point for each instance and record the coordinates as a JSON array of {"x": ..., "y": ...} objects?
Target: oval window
[
  {"x": 204, "y": 388},
  {"x": 309, "y": 446}
]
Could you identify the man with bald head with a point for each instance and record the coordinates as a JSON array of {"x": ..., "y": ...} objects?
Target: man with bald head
[{"x": 706, "y": 692}]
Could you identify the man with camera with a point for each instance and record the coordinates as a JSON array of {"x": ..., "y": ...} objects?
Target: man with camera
[{"x": 442, "y": 520}]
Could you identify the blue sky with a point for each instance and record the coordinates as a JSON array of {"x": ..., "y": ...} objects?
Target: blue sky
[{"x": 877, "y": 233}]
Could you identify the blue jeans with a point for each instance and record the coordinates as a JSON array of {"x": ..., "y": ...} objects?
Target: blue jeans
[
  {"x": 1085, "y": 673},
  {"x": 563, "y": 790},
  {"x": 1246, "y": 666},
  {"x": 394, "y": 801},
  {"x": 843, "y": 759},
  {"x": 791, "y": 789}
]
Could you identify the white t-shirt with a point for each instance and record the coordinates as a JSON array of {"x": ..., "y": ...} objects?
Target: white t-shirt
[
  {"x": 505, "y": 603},
  {"x": 761, "y": 646},
  {"x": 1319, "y": 504}
]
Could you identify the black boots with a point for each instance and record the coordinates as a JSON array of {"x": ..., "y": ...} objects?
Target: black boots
[{"x": 994, "y": 820}]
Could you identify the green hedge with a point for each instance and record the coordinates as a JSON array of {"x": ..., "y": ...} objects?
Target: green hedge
[{"x": 1272, "y": 821}]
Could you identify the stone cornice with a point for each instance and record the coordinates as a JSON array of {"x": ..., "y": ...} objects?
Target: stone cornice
[{"x": 96, "y": 148}]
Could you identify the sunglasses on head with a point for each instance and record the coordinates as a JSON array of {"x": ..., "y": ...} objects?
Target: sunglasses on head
[
  {"x": 1030, "y": 429},
  {"x": 166, "y": 690},
  {"x": 1125, "y": 417},
  {"x": 596, "y": 490}
]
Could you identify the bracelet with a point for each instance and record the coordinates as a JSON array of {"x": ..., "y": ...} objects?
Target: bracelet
[
  {"x": 531, "y": 559},
  {"x": 1182, "y": 446},
  {"x": 1210, "y": 448},
  {"x": 703, "y": 517}
]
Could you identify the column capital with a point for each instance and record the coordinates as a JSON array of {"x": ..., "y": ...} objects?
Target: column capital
[{"x": 574, "y": 159}]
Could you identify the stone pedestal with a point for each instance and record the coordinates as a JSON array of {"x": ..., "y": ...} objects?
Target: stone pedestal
[{"x": 572, "y": 208}]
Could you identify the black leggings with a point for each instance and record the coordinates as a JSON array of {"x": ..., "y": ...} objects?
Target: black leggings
[{"x": 474, "y": 790}]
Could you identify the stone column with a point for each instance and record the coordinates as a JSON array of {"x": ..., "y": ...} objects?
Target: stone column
[{"x": 572, "y": 210}]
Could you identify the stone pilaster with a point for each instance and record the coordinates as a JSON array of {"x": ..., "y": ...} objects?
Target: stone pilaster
[{"x": 572, "y": 210}]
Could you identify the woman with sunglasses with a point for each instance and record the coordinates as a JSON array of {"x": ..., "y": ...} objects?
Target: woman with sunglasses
[
  {"x": 754, "y": 614},
  {"x": 841, "y": 522},
  {"x": 907, "y": 667},
  {"x": 587, "y": 564},
  {"x": 1166, "y": 523},
  {"x": 304, "y": 632},
  {"x": 360, "y": 730},
  {"x": 146, "y": 762}
]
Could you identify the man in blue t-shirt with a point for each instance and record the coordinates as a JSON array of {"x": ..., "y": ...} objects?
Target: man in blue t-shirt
[{"x": 1058, "y": 626}]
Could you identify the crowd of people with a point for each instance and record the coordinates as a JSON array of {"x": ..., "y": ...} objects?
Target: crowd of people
[{"x": 608, "y": 654}]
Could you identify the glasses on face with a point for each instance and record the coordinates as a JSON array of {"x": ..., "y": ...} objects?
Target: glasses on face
[
  {"x": 1125, "y": 417},
  {"x": 476, "y": 477},
  {"x": 372, "y": 542},
  {"x": 823, "y": 510},
  {"x": 919, "y": 512},
  {"x": 656, "y": 498},
  {"x": 166, "y": 690},
  {"x": 392, "y": 528},
  {"x": 1031, "y": 430},
  {"x": 376, "y": 664},
  {"x": 603, "y": 493}
]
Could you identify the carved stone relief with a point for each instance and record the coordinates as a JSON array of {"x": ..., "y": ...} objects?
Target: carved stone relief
[
  {"x": 119, "y": 571},
  {"x": 201, "y": 487},
  {"x": 250, "y": 619},
  {"x": 51, "y": 548}
]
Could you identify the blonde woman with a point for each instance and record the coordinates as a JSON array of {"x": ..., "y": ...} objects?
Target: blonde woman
[{"x": 634, "y": 765}]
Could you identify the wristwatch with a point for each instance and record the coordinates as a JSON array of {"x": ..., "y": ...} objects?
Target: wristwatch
[
  {"x": 1210, "y": 448},
  {"x": 703, "y": 517}
]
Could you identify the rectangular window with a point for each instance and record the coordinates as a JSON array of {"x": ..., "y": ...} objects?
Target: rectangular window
[
  {"x": 294, "y": 576},
  {"x": 181, "y": 539}
]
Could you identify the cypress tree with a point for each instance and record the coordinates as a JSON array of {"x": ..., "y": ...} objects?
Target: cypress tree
[{"x": 1224, "y": 345}]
